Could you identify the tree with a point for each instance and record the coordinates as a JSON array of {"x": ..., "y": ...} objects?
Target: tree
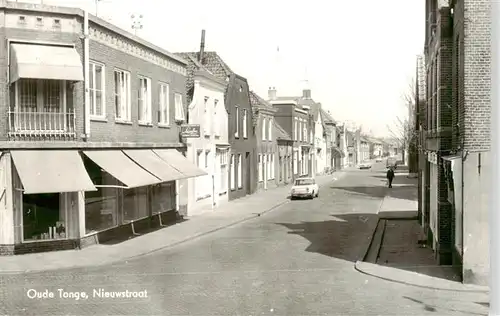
[{"x": 404, "y": 130}]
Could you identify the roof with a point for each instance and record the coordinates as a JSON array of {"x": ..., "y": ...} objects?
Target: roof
[
  {"x": 213, "y": 62},
  {"x": 326, "y": 117},
  {"x": 193, "y": 67},
  {"x": 280, "y": 132},
  {"x": 257, "y": 101}
]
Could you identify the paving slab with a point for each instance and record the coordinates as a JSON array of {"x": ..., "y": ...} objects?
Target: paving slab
[{"x": 228, "y": 214}]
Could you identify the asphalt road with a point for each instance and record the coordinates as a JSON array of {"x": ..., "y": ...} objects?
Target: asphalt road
[{"x": 296, "y": 260}]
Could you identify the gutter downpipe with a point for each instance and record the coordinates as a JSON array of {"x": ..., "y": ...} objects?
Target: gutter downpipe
[{"x": 86, "y": 67}]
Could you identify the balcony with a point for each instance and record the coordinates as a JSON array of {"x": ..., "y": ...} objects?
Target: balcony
[{"x": 32, "y": 123}]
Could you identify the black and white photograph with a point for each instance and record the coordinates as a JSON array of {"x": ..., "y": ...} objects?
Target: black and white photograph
[{"x": 197, "y": 158}]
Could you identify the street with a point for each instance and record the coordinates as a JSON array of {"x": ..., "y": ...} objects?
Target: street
[{"x": 295, "y": 260}]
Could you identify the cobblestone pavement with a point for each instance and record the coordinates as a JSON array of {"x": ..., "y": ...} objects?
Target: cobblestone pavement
[{"x": 296, "y": 260}]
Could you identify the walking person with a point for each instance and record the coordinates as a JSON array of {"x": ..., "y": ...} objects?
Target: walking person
[{"x": 390, "y": 176}]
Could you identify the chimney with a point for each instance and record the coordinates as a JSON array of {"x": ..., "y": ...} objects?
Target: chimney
[
  {"x": 271, "y": 94},
  {"x": 306, "y": 93},
  {"x": 202, "y": 47}
]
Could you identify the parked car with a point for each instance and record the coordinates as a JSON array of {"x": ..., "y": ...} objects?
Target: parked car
[
  {"x": 304, "y": 187},
  {"x": 365, "y": 165},
  {"x": 379, "y": 159}
]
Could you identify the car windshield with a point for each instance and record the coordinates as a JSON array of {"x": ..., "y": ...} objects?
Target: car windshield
[{"x": 304, "y": 181}]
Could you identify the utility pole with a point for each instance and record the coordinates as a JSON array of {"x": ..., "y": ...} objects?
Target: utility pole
[
  {"x": 136, "y": 22},
  {"x": 493, "y": 215}
]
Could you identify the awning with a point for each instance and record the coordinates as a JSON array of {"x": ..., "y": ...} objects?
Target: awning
[
  {"x": 51, "y": 171},
  {"x": 450, "y": 158},
  {"x": 121, "y": 167},
  {"x": 44, "y": 62},
  {"x": 150, "y": 161},
  {"x": 179, "y": 162},
  {"x": 338, "y": 152}
]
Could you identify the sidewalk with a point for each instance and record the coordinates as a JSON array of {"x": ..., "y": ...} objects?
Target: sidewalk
[
  {"x": 395, "y": 254},
  {"x": 226, "y": 215}
]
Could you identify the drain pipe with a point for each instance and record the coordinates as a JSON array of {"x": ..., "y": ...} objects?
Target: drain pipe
[{"x": 86, "y": 67}]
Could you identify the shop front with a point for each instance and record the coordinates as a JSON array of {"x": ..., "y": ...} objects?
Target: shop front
[{"x": 66, "y": 199}]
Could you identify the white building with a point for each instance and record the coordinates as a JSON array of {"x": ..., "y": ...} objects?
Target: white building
[
  {"x": 209, "y": 151},
  {"x": 320, "y": 152}
]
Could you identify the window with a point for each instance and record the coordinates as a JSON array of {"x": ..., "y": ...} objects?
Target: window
[
  {"x": 207, "y": 155},
  {"x": 300, "y": 130},
  {"x": 96, "y": 88},
  {"x": 122, "y": 95},
  {"x": 236, "y": 122},
  {"x": 42, "y": 216},
  {"x": 263, "y": 128},
  {"x": 144, "y": 100},
  {"x": 272, "y": 166},
  {"x": 240, "y": 172},
  {"x": 223, "y": 156},
  {"x": 261, "y": 170},
  {"x": 270, "y": 129},
  {"x": 216, "y": 123},
  {"x": 233, "y": 171},
  {"x": 296, "y": 162},
  {"x": 206, "y": 117},
  {"x": 245, "y": 123},
  {"x": 135, "y": 204},
  {"x": 164, "y": 105},
  {"x": 179, "y": 107},
  {"x": 268, "y": 167},
  {"x": 163, "y": 197},
  {"x": 198, "y": 159},
  {"x": 295, "y": 129}
]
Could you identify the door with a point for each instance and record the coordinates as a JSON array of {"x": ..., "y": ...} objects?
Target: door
[{"x": 248, "y": 173}]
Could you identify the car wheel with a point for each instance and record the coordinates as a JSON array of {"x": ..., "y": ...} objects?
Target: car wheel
[
  {"x": 317, "y": 194},
  {"x": 312, "y": 195},
  {"x": 292, "y": 198}
]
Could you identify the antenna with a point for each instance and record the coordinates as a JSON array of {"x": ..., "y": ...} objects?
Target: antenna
[{"x": 136, "y": 22}]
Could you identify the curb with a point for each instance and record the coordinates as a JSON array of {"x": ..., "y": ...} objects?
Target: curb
[
  {"x": 459, "y": 288},
  {"x": 479, "y": 289},
  {"x": 164, "y": 247}
]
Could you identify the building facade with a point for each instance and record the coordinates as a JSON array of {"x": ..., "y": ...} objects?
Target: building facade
[
  {"x": 457, "y": 137},
  {"x": 241, "y": 134},
  {"x": 364, "y": 148},
  {"x": 321, "y": 154},
  {"x": 285, "y": 154},
  {"x": 267, "y": 147},
  {"x": 210, "y": 151},
  {"x": 90, "y": 131},
  {"x": 300, "y": 127}
]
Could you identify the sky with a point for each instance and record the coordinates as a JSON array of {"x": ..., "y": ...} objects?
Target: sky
[{"x": 357, "y": 57}]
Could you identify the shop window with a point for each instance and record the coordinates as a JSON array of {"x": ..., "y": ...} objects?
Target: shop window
[
  {"x": 135, "y": 204},
  {"x": 43, "y": 217},
  {"x": 163, "y": 198},
  {"x": 101, "y": 206}
]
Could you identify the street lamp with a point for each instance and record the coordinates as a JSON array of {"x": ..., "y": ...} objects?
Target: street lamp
[{"x": 136, "y": 22}]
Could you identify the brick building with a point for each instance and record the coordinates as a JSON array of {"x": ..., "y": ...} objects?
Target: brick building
[
  {"x": 89, "y": 130},
  {"x": 295, "y": 119},
  {"x": 457, "y": 134},
  {"x": 267, "y": 146},
  {"x": 285, "y": 153}
]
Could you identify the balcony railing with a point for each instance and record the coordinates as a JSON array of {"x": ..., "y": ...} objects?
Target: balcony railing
[{"x": 27, "y": 123}]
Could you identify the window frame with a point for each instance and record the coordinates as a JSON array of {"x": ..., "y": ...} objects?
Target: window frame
[
  {"x": 163, "y": 104},
  {"x": 264, "y": 128},
  {"x": 245, "y": 123},
  {"x": 180, "y": 116},
  {"x": 126, "y": 89},
  {"x": 233, "y": 173},
  {"x": 237, "y": 122},
  {"x": 93, "y": 90},
  {"x": 144, "y": 99},
  {"x": 240, "y": 171}
]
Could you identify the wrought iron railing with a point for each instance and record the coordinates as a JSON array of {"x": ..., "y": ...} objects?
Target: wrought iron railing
[{"x": 47, "y": 123}]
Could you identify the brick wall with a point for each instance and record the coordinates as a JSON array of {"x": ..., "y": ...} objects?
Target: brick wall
[
  {"x": 477, "y": 84},
  {"x": 116, "y": 132}
]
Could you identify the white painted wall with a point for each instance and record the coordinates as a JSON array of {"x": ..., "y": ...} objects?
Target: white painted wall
[
  {"x": 207, "y": 109},
  {"x": 320, "y": 143}
]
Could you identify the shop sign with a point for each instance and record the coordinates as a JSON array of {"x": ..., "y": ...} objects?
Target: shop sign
[{"x": 190, "y": 131}]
